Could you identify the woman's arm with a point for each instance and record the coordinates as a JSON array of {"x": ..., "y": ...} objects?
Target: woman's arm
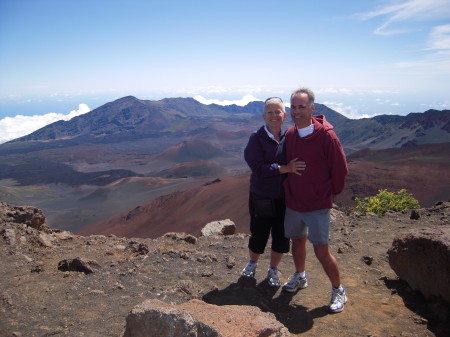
[{"x": 253, "y": 155}]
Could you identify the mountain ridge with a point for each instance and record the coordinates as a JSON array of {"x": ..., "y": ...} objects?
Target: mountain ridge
[{"x": 129, "y": 118}]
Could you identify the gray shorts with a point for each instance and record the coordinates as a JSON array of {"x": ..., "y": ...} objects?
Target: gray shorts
[{"x": 316, "y": 224}]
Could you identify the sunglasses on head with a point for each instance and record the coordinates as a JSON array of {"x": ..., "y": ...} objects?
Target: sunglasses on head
[{"x": 273, "y": 98}]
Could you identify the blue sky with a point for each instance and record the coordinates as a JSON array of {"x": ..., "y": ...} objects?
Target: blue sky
[{"x": 362, "y": 58}]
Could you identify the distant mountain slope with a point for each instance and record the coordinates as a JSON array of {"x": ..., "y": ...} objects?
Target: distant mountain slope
[
  {"x": 383, "y": 132},
  {"x": 190, "y": 150},
  {"x": 129, "y": 117},
  {"x": 37, "y": 171},
  {"x": 437, "y": 153},
  {"x": 195, "y": 169}
]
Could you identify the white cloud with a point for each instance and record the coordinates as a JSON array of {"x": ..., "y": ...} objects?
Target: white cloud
[
  {"x": 18, "y": 126},
  {"x": 352, "y": 92},
  {"x": 437, "y": 64},
  {"x": 382, "y": 91},
  {"x": 439, "y": 38},
  {"x": 346, "y": 110},
  {"x": 344, "y": 91},
  {"x": 438, "y": 105},
  {"x": 406, "y": 16},
  {"x": 386, "y": 102},
  {"x": 231, "y": 92},
  {"x": 243, "y": 101},
  {"x": 405, "y": 13}
]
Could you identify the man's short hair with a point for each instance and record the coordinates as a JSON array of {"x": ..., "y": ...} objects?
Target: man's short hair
[{"x": 306, "y": 91}]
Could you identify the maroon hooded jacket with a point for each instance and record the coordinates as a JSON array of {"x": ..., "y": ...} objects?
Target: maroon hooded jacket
[{"x": 326, "y": 167}]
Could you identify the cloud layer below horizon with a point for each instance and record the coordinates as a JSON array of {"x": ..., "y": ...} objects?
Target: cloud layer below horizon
[{"x": 20, "y": 125}]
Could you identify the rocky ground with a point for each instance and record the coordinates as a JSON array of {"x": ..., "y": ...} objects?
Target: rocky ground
[{"x": 60, "y": 284}]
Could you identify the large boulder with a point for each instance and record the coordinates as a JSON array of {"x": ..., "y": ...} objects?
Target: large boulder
[
  {"x": 421, "y": 257},
  {"x": 199, "y": 319},
  {"x": 30, "y": 216},
  {"x": 221, "y": 227}
]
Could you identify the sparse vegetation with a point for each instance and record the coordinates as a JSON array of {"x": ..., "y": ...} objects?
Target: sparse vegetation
[{"x": 387, "y": 201}]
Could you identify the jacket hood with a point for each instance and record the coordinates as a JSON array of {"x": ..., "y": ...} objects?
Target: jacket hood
[
  {"x": 321, "y": 125},
  {"x": 322, "y": 120}
]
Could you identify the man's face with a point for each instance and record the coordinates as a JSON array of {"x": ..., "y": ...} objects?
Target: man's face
[{"x": 301, "y": 110}]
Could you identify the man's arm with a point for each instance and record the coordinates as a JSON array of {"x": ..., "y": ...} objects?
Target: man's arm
[{"x": 337, "y": 163}]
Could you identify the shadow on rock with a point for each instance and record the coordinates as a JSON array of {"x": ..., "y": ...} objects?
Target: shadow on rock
[
  {"x": 245, "y": 291},
  {"x": 435, "y": 311}
]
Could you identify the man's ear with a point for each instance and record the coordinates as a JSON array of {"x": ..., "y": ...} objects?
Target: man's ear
[{"x": 312, "y": 107}]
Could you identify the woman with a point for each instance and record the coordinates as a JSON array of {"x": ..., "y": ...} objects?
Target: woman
[{"x": 264, "y": 155}]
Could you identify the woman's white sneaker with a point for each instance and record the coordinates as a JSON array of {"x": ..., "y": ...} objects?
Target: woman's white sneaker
[
  {"x": 273, "y": 277},
  {"x": 250, "y": 269}
]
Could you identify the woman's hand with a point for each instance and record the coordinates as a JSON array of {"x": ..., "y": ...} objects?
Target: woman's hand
[{"x": 294, "y": 166}]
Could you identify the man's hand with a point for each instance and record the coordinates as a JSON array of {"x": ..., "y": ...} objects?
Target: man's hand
[{"x": 294, "y": 166}]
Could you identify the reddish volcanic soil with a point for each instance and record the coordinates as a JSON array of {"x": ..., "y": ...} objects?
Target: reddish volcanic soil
[
  {"x": 423, "y": 172},
  {"x": 187, "y": 211}
]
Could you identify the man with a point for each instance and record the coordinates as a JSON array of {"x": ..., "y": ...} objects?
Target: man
[{"x": 309, "y": 196}]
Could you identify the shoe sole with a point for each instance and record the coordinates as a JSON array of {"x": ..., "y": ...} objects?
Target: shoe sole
[{"x": 273, "y": 284}]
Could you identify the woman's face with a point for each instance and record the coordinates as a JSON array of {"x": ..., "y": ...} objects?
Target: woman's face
[{"x": 274, "y": 115}]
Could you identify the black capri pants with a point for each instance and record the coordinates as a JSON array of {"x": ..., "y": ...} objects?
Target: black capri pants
[{"x": 262, "y": 226}]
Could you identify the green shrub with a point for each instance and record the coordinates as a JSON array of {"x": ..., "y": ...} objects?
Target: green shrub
[{"x": 387, "y": 201}]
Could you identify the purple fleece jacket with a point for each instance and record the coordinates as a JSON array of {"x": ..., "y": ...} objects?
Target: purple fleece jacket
[
  {"x": 326, "y": 168},
  {"x": 263, "y": 155}
]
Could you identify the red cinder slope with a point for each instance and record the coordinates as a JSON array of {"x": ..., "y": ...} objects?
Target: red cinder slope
[{"x": 187, "y": 211}]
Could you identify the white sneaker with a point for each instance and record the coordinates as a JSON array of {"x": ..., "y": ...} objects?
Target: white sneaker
[
  {"x": 273, "y": 277},
  {"x": 250, "y": 269},
  {"x": 338, "y": 299},
  {"x": 295, "y": 282}
]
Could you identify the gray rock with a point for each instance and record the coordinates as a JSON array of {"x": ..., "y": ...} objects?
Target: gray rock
[
  {"x": 138, "y": 247},
  {"x": 415, "y": 214},
  {"x": 9, "y": 235},
  {"x": 181, "y": 237},
  {"x": 230, "y": 261},
  {"x": 421, "y": 257},
  {"x": 367, "y": 259},
  {"x": 77, "y": 265},
  {"x": 30, "y": 216},
  {"x": 221, "y": 227}
]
